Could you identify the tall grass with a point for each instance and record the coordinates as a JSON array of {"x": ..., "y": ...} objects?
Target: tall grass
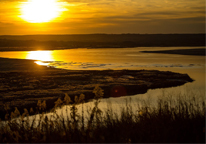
[{"x": 170, "y": 121}]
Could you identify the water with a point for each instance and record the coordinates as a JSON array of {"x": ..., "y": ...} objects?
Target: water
[
  {"x": 125, "y": 58},
  {"x": 122, "y": 58},
  {"x": 109, "y": 58}
]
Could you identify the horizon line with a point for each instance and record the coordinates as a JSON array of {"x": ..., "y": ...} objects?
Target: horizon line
[{"x": 105, "y": 34}]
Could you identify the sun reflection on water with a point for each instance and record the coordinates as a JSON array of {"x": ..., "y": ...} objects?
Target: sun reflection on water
[
  {"x": 41, "y": 63},
  {"x": 41, "y": 56}
]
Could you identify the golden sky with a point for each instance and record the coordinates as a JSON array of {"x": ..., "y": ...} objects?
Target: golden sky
[{"x": 21, "y": 17}]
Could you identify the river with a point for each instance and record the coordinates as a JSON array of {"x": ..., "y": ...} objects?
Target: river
[{"x": 125, "y": 58}]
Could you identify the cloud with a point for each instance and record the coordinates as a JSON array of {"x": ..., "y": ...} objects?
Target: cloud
[
  {"x": 13, "y": 0},
  {"x": 113, "y": 16}
]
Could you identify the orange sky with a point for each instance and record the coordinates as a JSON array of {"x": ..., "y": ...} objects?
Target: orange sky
[{"x": 21, "y": 17}]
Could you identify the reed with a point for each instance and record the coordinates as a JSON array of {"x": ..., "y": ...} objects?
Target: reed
[{"x": 171, "y": 121}]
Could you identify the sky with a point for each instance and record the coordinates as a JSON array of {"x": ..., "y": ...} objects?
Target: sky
[{"x": 21, "y": 17}]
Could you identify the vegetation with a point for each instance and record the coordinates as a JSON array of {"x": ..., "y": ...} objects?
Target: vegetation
[
  {"x": 170, "y": 121},
  {"x": 29, "y": 83},
  {"x": 54, "y": 42}
]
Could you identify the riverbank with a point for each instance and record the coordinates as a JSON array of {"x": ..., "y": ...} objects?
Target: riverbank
[{"x": 23, "y": 83}]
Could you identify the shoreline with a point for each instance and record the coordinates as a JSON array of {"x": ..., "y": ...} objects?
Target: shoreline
[
  {"x": 24, "y": 83},
  {"x": 46, "y": 42},
  {"x": 181, "y": 51},
  {"x": 193, "y": 52}
]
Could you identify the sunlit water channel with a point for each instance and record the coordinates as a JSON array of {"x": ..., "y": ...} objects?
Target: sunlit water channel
[{"x": 125, "y": 58}]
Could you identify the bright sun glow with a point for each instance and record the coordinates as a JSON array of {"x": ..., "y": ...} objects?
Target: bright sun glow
[
  {"x": 38, "y": 11},
  {"x": 40, "y": 55}
]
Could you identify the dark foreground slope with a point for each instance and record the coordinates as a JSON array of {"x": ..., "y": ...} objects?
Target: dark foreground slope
[
  {"x": 184, "y": 122},
  {"x": 172, "y": 120}
]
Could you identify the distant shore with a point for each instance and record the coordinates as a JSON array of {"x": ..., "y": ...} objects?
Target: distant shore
[
  {"x": 196, "y": 52},
  {"x": 58, "y": 42}
]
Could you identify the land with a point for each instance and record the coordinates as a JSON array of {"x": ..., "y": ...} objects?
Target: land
[
  {"x": 196, "y": 52},
  {"x": 57, "y": 42},
  {"x": 181, "y": 122},
  {"x": 23, "y": 83}
]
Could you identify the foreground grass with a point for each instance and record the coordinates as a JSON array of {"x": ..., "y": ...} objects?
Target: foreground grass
[{"x": 182, "y": 121}]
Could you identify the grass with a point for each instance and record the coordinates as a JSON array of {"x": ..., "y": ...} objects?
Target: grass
[{"x": 168, "y": 122}]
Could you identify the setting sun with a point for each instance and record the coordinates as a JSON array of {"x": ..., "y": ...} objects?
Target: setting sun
[{"x": 38, "y": 11}]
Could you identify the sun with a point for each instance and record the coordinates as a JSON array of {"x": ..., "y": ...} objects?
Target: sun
[{"x": 39, "y": 11}]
